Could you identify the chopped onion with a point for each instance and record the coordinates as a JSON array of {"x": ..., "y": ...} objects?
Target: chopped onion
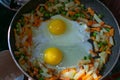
[
  {"x": 95, "y": 46},
  {"x": 96, "y": 25},
  {"x": 103, "y": 57},
  {"x": 70, "y": 4},
  {"x": 97, "y": 18},
  {"x": 111, "y": 41}
]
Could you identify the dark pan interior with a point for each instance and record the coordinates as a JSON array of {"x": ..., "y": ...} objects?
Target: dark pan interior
[{"x": 97, "y": 6}]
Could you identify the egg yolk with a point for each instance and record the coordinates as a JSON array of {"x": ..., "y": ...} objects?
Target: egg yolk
[
  {"x": 53, "y": 56},
  {"x": 57, "y": 27}
]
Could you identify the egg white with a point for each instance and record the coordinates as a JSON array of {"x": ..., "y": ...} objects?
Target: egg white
[
  {"x": 73, "y": 43},
  {"x": 74, "y": 34}
]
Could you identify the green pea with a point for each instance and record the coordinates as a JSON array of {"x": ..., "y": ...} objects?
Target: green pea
[
  {"x": 100, "y": 15},
  {"x": 77, "y": 15},
  {"x": 41, "y": 79},
  {"x": 82, "y": 6},
  {"x": 64, "y": 12},
  {"x": 41, "y": 9},
  {"x": 94, "y": 34}
]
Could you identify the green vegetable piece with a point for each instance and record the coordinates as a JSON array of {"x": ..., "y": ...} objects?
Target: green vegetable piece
[
  {"x": 49, "y": 4},
  {"x": 85, "y": 57},
  {"x": 70, "y": 0},
  {"x": 107, "y": 29},
  {"x": 91, "y": 17},
  {"x": 73, "y": 18},
  {"x": 32, "y": 12},
  {"x": 94, "y": 34},
  {"x": 100, "y": 16},
  {"x": 100, "y": 44},
  {"x": 64, "y": 12},
  {"x": 46, "y": 14},
  {"x": 41, "y": 79},
  {"x": 118, "y": 79},
  {"x": 56, "y": 1},
  {"x": 18, "y": 25},
  {"x": 82, "y": 6},
  {"x": 82, "y": 15},
  {"x": 40, "y": 71},
  {"x": 77, "y": 15},
  {"x": 41, "y": 9}
]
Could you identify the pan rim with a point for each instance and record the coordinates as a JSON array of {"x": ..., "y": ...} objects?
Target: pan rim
[{"x": 11, "y": 52}]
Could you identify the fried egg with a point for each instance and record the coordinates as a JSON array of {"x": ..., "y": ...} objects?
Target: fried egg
[{"x": 70, "y": 39}]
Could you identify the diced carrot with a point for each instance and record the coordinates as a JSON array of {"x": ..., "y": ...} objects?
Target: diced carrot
[
  {"x": 98, "y": 78},
  {"x": 71, "y": 13},
  {"x": 22, "y": 62},
  {"x": 102, "y": 23},
  {"x": 95, "y": 29},
  {"x": 35, "y": 72},
  {"x": 90, "y": 23},
  {"x": 46, "y": 7},
  {"x": 37, "y": 21},
  {"x": 101, "y": 48},
  {"x": 77, "y": 1},
  {"x": 81, "y": 76},
  {"x": 111, "y": 32},
  {"x": 37, "y": 8},
  {"x": 86, "y": 77},
  {"x": 26, "y": 44},
  {"x": 92, "y": 52},
  {"x": 51, "y": 0},
  {"x": 107, "y": 26},
  {"x": 108, "y": 52},
  {"x": 91, "y": 11},
  {"x": 77, "y": 10},
  {"x": 92, "y": 38},
  {"x": 91, "y": 65}
]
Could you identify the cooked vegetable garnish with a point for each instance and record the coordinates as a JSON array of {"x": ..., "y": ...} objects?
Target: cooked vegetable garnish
[{"x": 101, "y": 35}]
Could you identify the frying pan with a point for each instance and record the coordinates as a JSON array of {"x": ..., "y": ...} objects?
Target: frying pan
[{"x": 96, "y": 5}]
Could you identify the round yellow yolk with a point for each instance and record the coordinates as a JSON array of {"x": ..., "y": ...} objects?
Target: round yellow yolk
[
  {"x": 57, "y": 27},
  {"x": 53, "y": 56}
]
